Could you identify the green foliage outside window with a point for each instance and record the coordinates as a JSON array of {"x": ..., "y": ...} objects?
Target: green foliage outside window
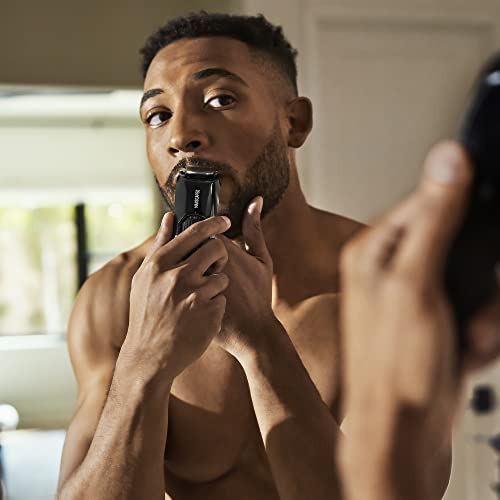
[{"x": 38, "y": 271}]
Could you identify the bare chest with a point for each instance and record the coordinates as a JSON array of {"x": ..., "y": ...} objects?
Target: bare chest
[{"x": 212, "y": 426}]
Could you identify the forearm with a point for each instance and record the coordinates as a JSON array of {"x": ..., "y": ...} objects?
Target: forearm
[
  {"x": 441, "y": 472},
  {"x": 386, "y": 457},
  {"x": 297, "y": 428},
  {"x": 125, "y": 458},
  {"x": 378, "y": 478}
]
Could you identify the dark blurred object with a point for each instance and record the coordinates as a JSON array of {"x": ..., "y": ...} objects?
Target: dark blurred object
[
  {"x": 483, "y": 399},
  {"x": 81, "y": 239},
  {"x": 494, "y": 442},
  {"x": 470, "y": 275}
]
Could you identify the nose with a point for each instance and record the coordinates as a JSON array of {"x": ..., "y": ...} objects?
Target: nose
[{"x": 187, "y": 135}]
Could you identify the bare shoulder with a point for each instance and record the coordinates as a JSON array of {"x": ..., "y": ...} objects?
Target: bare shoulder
[
  {"x": 338, "y": 228},
  {"x": 99, "y": 319}
]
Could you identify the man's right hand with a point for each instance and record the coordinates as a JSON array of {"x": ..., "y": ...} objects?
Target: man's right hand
[{"x": 175, "y": 310}]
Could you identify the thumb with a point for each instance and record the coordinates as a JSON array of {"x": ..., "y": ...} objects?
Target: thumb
[
  {"x": 441, "y": 200},
  {"x": 164, "y": 234},
  {"x": 253, "y": 237}
]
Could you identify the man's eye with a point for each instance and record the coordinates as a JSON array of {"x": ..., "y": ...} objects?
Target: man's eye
[
  {"x": 158, "y": 118},
  {"x": 221, "y": 101}
]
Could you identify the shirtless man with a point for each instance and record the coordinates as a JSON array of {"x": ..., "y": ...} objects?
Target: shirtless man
[{"x": 217, "y": 361}]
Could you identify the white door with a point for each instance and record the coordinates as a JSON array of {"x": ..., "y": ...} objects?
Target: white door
[{"x": 387, "y": 80}]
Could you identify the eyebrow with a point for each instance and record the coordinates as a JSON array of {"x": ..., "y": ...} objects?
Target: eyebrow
[
  {"x": 199, "y": 75},
  {"x": 224, "y": 73},
  {"x": 148, "y": 94}
]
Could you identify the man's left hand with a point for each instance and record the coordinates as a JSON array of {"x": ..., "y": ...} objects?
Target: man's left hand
[{"x": 249, "y": 294}]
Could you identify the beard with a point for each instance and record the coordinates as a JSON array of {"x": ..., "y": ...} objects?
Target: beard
[{"x": 268, "y": 176}]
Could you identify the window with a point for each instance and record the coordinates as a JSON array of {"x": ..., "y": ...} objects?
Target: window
[
  {"x": 36, "y": 268},
  {"x": 39, "y": 258},
  {"x": 60, "y": 149}
]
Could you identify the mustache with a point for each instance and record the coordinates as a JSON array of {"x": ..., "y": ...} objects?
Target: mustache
[{"x": 202, "y": 163}]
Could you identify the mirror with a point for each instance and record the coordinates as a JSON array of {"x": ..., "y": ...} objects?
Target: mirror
[{"x": 77, "y": 190}]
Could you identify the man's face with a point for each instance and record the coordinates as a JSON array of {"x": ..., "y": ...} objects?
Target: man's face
[{"x": 209, "y": 105}]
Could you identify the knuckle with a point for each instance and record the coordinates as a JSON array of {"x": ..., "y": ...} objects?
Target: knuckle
[
  {"x": 195, "y": 229},
  {"x": 173, "y": 279},
  {"x": 179, "y": 276},
  {"x": 219, "y": 302},
  {"x": 215, "y": 225},
  {"x": 188, "y": 277},
  {"x": 153, "y": 265},
  {"x": 407, "y": 282},
  {"x": 220, "y": 248},
  {"x": 222, "y": 280},
  {"x": 211, "y": 246},
  {"x": 208, "y": 226},
  {"x": 193, "y": 299}
]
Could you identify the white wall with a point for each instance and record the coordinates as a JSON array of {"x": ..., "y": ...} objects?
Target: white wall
[{"x": 37, "y": 379}]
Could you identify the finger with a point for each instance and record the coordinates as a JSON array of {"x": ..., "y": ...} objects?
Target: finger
[
  {"x": 219, "y": 265},
  {"x": 441, "y": 202},
  {"x": 253, "y": 236},
  {"x": 213, "y": 252},
  {"x": 213, "y": 285},
  {"x": 164, "y": 234},
  {"x": 233, "y": 249},
  {"x": 183, "y": 244}
]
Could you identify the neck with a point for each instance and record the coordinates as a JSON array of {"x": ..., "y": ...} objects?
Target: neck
[{"x": 297, "y": 246}]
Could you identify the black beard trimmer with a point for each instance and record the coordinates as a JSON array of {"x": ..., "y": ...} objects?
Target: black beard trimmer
[
  {"x": 471, "y": 276},
  {"x": 196, "y": 197}
]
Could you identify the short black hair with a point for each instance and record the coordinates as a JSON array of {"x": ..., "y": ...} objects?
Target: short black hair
[{"x": 256, "y": 31}]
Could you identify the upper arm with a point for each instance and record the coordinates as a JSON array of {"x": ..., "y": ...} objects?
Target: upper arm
[{"x": 97, "y": 319}]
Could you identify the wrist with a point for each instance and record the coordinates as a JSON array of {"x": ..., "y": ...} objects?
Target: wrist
[
  {"x": 270, "y": 342},
  {"x": 140, "y": 375},
  {"x": 391, "y": 476},
  {"x": 384, "y": 456}
]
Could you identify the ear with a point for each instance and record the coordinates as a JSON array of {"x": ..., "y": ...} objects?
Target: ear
[{"x": 300, "y": 121}]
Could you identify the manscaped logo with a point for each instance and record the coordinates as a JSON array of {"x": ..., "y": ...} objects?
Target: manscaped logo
[{"x": 196, "y": 198}]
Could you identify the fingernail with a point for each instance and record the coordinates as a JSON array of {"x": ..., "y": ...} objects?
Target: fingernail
[
  {"x": 260, "y": 203},
  {"x": 227, "y": 220},
  {"x": 445, "y": 165},
  {"x": 163, "y": 221}
]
